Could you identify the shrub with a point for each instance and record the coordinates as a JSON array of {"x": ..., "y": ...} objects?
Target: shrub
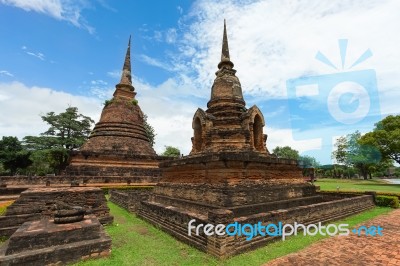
[
  {"x": 3, "y": 207},
  {"x": 107, "y": 102},
  {"x": 387, "y": 201}
]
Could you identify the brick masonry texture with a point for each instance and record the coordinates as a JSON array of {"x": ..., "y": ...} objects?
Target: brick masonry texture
[
  {"x": 42, "y": 243},
  {"x": 37, "y": 203}
]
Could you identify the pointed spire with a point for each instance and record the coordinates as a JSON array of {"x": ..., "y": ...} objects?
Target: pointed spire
[
  {"x": 225, "y": 47},
  {"x": 225, "y": 59},
  {"x": 126, "y": 77}
]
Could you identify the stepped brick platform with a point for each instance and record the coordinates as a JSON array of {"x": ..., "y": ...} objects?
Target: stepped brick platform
[
  {"x": 37, "y": 203},
  {"x": 118, "y": 146},
  {"x": 43, "y": 242},
  {"x": 230, "y": 177},
  {"x": 20, "y": 183}
]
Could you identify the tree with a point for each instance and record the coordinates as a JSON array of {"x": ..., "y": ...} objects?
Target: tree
[
  {"x": 308, "y": 161},
  {"x": 12, "y": 155},
  {"x": 67, "y": 131},
  {"x": 69, "y": 128},
  {"x": 385, "y": 137},
  {"x": 171, "y": 151},
  {"x": 286, "y": 153},
  {"x": 351, "y": 152},
  {"x": 150, "y": 132}
]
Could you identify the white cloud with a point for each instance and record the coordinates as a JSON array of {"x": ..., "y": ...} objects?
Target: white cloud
[
  {"x": 67, "y": 10},
  {"x": 98, "y": 82},
  {"x": 171, "y": 35},
  {"x": 114, "y": 74},
  {"x": 21, "y": 107},
  {"x": 6, "y": 73},
  {"x": 155, "y": 62},
  {"x": 157, "y": 35},
  {"x": 180, "y": 9},
  {"x": 37, "y": 55},
  {"x": 268, "y": 52}
]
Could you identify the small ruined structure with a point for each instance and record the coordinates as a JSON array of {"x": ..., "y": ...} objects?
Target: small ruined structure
[
  {"x": 44, "y": 242},
  {"x": 55, "y": 226},
  {"x": 39, "y": 203},
  {"x": 118, "y": 149},
  {"x": 230, "y": 177}
]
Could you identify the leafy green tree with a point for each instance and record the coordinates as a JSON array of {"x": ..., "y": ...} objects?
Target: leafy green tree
[
  {"x": 12, "y": 155},
  {"x": 150, "y": 132},
  {"x": 349, "y": 151},
  {"x": 382, "y": 168},
  {"x": 40, "y": 163},
  {"x": 171, "y": 151},
  {"x": 386, "y": 137},
  {"x": 308, "y": 161},
  {"x": 68, "y": 130},
  {"x": 286, "y": 153}
]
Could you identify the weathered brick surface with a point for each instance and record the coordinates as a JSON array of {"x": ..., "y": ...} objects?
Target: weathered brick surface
[
  {"x": 227, "y": 124},
  {"x": 148, "y": 176},
  {"x": 36, "y": 203},
  {"x": 175, "y": 221},
  {"x": 130, "y": 199},
  {"x": 45, "y": 243}
]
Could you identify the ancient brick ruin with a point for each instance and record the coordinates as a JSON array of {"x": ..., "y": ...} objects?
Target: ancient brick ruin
[
  {"x": 42, "y": 242},
  {"x": 55, "y": 226},
  {"x": 230, "y": 176},
  {"x": 118, "y": 149},
  {"x": 38, "y": 203}
]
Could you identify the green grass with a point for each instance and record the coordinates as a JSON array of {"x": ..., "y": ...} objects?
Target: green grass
[
  {"x": 4, "y": 205},
  {"x": 377, "y": 185},
  {"x": 136, "y": 242}
]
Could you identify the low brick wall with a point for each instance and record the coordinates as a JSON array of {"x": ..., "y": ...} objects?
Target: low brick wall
[
  {"x": 130, "y": 199},
  {"x": 6, "y": 191},
  {"x": 175, "y": 221},
  {"x": 173, "y": 216},
  {"x": 66, "y": 180}
]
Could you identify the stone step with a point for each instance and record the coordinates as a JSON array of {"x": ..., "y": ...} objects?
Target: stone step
[{"x": 8, "y": 231}]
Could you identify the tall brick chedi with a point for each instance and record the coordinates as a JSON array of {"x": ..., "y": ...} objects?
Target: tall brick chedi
[
  {"x": 227, "y": 125},
  {"x": 230, "y": 177},
  {"x": 118, "y": 148}
]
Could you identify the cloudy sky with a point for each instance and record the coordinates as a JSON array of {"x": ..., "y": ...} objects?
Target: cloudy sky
[{"x": 316, "y": 69}]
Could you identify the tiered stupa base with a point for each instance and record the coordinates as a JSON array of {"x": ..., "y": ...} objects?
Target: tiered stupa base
[
  {"x": 114, "y": 168},
  {"x": 239, "y": 187}
]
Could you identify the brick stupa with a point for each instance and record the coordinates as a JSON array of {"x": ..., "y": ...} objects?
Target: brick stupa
[
  {"x": 118, "y": 149},
  {"x": 231, "y": 177}
]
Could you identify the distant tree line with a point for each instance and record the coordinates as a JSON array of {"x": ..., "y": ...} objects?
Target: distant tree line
[
  {"x": 373, "y": 153},
  {"x": 370, "y": 155}
]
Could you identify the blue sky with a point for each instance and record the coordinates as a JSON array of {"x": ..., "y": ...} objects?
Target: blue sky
[{"x": 59, "y": 53}]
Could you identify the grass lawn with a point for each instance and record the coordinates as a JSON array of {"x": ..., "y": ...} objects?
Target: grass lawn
[
  {"x": 357, "y": 185},
  {"x": 136, "y": 242}
]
